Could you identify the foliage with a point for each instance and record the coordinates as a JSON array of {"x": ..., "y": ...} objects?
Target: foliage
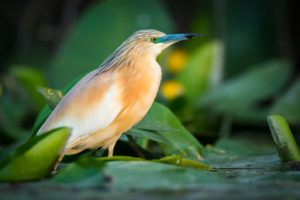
[
  {"x": 181, "y": 142},
  {"x": 207, "y": 134},
  {"x": 238, "y": 166},
  {"x": 85, "y": 172},
  {"x": 36, "y": 158},
  {"x": 249, "y": 88},
  {"x": 172, "y": 160},
  {"x": 288, "y": 104},
  {"x": 201, "y": 70},
  {"x": 51, "y": 96},
  {"x": 30, "y": 78}
]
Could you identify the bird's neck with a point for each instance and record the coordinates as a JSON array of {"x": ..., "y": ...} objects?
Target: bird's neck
[
  {"x": 141, "y": 80},
  {"x": 135, "y": 60},
  {"x": 142, "y": 71}
]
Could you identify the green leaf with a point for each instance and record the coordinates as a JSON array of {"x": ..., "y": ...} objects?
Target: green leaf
[
  {"x": 288, "y": 105},
  {"x": 248, "y": 88},
  {"x": 147, "y": 175},
  {"x": 242, "y": 152},
  {"x": 284, "y": 139},
  {"x": 235, "y": 171},
  {"x": 46, "y": 111},
  {"x": 30, "y": 78},
  {"x": 121, "y": 158},
  {"x": 154, "y": 124},
  {"x": 36, "y": 158},
  {"x": 103, "y": 27},
  {"x": 11, "y": 116},
  {"x": 179, "y": 161},
  {"x": 181, "y": 142},
  {"x": 51, "y": 96},
  {"x": 41, "y": 118},
  {"x": 147, "y": 134},
  {"x": 85, "y": 172},
  {"x": 203, "y": 70},
  {"x": 172, "y": 160}
]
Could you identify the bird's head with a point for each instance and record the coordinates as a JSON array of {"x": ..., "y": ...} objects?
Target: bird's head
[
  {"x": 153, "y": 41},
  {"x": 144, "y": 42}
]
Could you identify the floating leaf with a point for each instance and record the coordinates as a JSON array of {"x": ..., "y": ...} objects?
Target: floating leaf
[
  {"x": 36, "y": 158},
  {"x": 172, "y": 160},
  {"x": 179, "y": 161},
  {"x": 147, "y": 175},
  {"x": 121, "y": 158},
  {"x": 85, "y": 172},
  {"x": 241, "y": 153},
  {"x": 159, "y": 180},
  {"x": 284, "y": 139}
]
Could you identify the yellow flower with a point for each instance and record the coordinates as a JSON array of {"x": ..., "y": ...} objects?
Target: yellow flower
[
  {"x": 176, "y": 61},
  {"x": 171, "y": 89}
]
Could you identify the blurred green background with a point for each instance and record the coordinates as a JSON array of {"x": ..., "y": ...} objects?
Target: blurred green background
[
  {"x": 221, "y": 86},
  {"x": 245, "y": 66}
]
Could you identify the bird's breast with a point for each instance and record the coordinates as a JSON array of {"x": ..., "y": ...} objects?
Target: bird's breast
[{"x": 139, "y": 85}]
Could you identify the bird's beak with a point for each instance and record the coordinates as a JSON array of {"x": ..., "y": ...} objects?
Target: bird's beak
[{"x": 177, "y": 37}]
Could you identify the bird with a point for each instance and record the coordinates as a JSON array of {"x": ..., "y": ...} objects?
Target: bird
[{"x": 112, "y": 98}]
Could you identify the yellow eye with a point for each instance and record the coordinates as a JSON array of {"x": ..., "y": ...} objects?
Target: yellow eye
[{"x": 153, "y": 39}]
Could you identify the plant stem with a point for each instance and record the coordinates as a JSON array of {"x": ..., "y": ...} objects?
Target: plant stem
[
  {"x": 284, "y": 139},
  {"x": 135, "y": 146}
]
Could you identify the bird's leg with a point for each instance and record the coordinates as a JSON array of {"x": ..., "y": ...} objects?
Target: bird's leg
[
  {"x": 58, "y": 161},
  {"x": 111, "y": 149}
]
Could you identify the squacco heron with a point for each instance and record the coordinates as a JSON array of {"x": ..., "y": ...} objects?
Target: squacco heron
[{"x": 114, "y": 97}]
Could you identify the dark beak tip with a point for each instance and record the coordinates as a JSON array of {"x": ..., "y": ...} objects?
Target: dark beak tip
[{"x": 191, "y": 35}]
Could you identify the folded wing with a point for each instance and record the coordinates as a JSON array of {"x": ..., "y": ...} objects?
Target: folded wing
[{"x": 91, "y": 105}]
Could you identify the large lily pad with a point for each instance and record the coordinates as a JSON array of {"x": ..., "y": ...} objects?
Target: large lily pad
[
  {"x": 86, "y": 172},
  {"x": 242, "y": 170}
]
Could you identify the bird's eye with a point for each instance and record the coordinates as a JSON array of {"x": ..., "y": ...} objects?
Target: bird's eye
[{"x": 153, "y": 39}]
